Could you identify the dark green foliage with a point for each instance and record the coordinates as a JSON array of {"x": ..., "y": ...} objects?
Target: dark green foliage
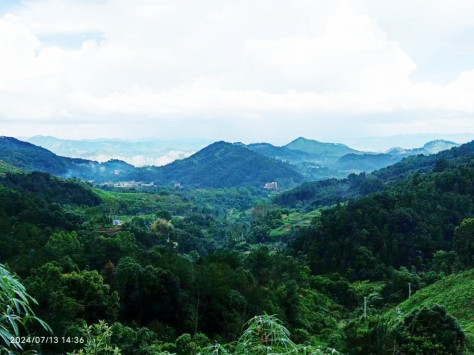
[
  {"x": 53, "y": 189},
  {"x": 225, "y": 165},
  {"x": 402, "y": 226},
  {"x": 329, "y": 192},
  {"x": 66, "y": 295},
  {"x": 148, "y": 293},
  {"x": 27, "y": 156},
  {"x": 131, "y": 341},
  {"x": 429, "y": 331},
  {"x": 453, "y": 292},
  {"x": 62, "y": 244},
  {"x": 464, "y": 241},
  {"x": 164, "y": 214},
  {"x": 97, "y": 340}
]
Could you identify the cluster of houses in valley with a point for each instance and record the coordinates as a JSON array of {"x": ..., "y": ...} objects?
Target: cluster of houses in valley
[
  {"x": 132, "y": 183},
  {"x": 268, "y": 186}
]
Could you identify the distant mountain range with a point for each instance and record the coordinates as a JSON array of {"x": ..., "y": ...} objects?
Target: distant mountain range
[
  {"x": 331, "y": 191},
  {"x": 137, "y": 153},
  {"x": 220, "y": 164},
  {"x": 318, "y": 160}
]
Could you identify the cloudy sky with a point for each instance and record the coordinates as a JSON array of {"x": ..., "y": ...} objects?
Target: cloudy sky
[{"x": 237, "y": 70}]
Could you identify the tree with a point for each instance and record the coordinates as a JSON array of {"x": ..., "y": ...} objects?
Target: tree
[
  {"x": 464, "y": 241},
  {"x": 15, "y": 311},
  {"x": 266, "y": 335},
  {"x": 97, "y": 341},
  {"x": 430, "y": 331},
  {"x": 112, "y": 205},
  {"x": 64, "y": 295},
  {"x": 64, "y": 244}
]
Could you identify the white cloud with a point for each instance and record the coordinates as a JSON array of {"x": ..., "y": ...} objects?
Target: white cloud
[{"x": 221, "y": 65}]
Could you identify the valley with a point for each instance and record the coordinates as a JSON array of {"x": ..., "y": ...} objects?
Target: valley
[{"x": 197, "y": 257}]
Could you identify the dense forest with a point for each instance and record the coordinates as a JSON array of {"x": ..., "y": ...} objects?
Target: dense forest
[{"x": 378, "y": 263}]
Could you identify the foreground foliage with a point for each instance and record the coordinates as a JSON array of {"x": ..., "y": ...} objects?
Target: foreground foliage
[{"x": 16, "y": 314}]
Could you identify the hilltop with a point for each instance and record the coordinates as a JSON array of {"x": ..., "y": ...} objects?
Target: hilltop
[
  {"x": 224, "y": 164},
  {"x": 327, "y": 151}
]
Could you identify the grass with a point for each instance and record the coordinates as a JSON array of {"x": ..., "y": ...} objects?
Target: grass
[
  {"x": 455, "y": 293},
  {"x": 294, "y": 220},
  {"x": 8, "y": 168}
]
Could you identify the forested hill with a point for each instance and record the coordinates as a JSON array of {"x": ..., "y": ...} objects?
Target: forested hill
[
  {"x": 52, "y": 188},
  {"x": 224, "y": 164},
  {"x": 281, "y": 153},
  {"x": 332, "y": 191},
  {"x": 404, "y": 225},
  {"x": 28, "y": 156},
  {"x": 328, "y": 150},
  {"x": 218, "y": 165}
]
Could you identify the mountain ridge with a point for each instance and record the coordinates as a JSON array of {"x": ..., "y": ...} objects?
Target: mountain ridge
[{"x": 220, "y": 164}]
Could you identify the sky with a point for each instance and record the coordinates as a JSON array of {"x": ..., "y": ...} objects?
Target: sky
[{"x": 250, "y": 71}]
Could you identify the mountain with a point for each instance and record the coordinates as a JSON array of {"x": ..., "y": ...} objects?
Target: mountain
[
  {"x": 280, "y": 153},
  {"x": 438, "y": 145},
  {"x": 432, "y": 147},
  {"x": 369, "y": 162},
  {"x": 224, "y": 164},
  {"x": 366, "y": 162},
  {"x": 323, "y": 151},
  {"x": 27, "y": 156},
  {"x": 332, "y": 191},
  {"x": 402, "y": 224},
  {"x": 218, "y": 165}
]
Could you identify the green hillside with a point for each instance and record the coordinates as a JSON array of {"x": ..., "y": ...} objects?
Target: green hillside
[
  {"x": 30, "y": 157},
  {"x": 8, "y": 168},
  {"x": 403, "y": 225},
  {"x": 224, "y": 164},
  {"x": 50, "y": 187},
  {"x": 455, "y": 293},
  {"x": 329, "y": 192},
  {"x": 281, "y": 153},
  {"x": 330, "y": 151},
  {"x": 366, "y": 162},
  {"x": 27, "y": 156}
]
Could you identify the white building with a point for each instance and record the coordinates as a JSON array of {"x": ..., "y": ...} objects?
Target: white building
[{"x": 271, "y": 185}]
